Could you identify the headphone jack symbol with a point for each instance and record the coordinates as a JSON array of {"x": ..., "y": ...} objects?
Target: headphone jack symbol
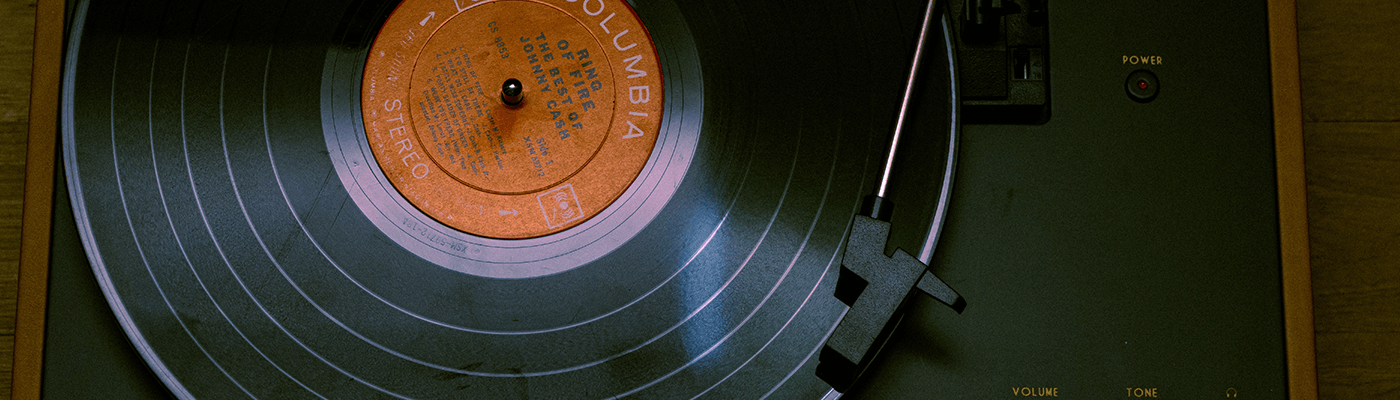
[{"x": 1232, "y": 393}]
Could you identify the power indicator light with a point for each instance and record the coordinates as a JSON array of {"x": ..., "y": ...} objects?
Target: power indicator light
[{"x": 1142, "y": 86}]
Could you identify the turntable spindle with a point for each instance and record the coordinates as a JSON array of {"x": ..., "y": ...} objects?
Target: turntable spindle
[{"x": 512, "y": 92}]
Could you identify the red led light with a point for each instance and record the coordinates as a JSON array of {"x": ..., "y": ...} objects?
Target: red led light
[{"x": 1142, "y": 84}]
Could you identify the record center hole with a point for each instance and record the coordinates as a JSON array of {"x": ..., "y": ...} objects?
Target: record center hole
[{"x": 512, "y": 92}]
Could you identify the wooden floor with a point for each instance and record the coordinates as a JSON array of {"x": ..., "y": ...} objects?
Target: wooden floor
[
  {"x": 1351, "y": 107},
  {"x": 16, "y": 51},
  {"x": 1351, "y": 113}
]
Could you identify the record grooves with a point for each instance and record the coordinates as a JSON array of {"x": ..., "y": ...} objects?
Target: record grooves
[{"x": 229, "y": 201}]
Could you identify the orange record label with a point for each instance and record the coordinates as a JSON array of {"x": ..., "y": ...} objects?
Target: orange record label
[{"x": 447, "y": 139}]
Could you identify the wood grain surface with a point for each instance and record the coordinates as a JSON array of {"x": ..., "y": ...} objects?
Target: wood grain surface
[
  {"x": 16, "y": 49},
  {"x": 1347, "y": 49},
  {"x": 1354, "y": 212},
  {"x": 1351, "y": 109}
]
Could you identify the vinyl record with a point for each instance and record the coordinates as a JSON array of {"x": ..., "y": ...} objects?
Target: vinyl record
[{"x": 249, "y": 233}]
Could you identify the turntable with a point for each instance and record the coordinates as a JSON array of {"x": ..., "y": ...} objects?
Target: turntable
[{"x": 667, "y": 199}]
